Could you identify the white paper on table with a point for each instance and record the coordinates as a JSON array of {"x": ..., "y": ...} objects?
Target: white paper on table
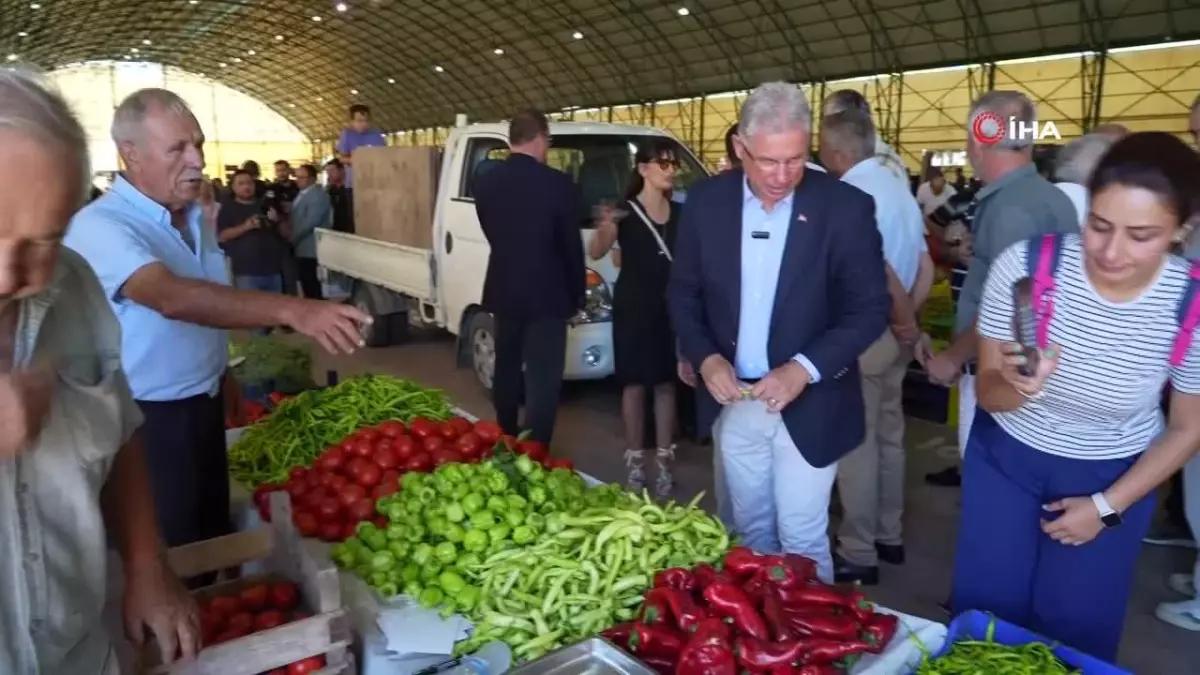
[
  {"x": 903, "y": 653},
  {"x": 413, "y": 629}
]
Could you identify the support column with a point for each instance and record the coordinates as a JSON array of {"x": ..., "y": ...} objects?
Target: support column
[{"x": 1091, "y": 78}]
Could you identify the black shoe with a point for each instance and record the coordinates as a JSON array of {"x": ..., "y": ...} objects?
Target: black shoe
[
  {"x": 849, "y": 573},
  {"x": 948, "y": 477},
  {"x": 892, "y": 554}
]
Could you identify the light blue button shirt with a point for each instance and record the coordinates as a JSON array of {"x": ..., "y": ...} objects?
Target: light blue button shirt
[
  {"x": 897, "y": 217},
  {"x": 122, "y": 232},
  {"x": 761, "y": 261}
]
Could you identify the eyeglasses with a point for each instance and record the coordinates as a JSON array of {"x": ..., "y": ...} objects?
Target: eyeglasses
[
  {"x": 666, "y": 164},
  {"x": 769, "y": 164}
]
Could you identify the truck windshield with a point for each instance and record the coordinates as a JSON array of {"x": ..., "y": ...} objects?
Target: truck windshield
[{"x": 602, "y": 164}]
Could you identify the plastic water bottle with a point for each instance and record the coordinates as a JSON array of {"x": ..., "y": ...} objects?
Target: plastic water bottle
[{"x": 493, "y": 658}]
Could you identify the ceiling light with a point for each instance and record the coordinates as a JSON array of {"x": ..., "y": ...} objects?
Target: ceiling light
[
  {"x": 577, "y": 35},
  {"x": 683, "y": 11},
  {"x": 147, "y": 42},
  {"x": 320, "y": 98},
  {"x": 391, "y": 80},
  {"x": 439, "y": 69},
  {"x": 498, "y": 51},
  {"x": 279, "y": 38},
  {"x": 133, "y": 50},
  {"x": 317, "y": 19},
  {"x": 222, "y": 64},
  {"x": 354, "y": 92},
  {"x": 35, "y": 5},
  {"x": 13, "y": 57},
  {"x": 22, "y": 34},
  {"x": 291, "y": 105},
  {"x": 193, "y": 2},
  {"x": 237, "y": 59},
  {"x": 341, "y": 7},
  {"x": 249, "y": 52}
]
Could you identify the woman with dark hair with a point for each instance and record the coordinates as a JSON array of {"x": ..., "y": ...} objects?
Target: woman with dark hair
[
  {"x": 643, "y": 229},
  {"x": 1068, "y": 445}
]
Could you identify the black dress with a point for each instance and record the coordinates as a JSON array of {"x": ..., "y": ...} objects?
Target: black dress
[{"x": 643, "y": 344}]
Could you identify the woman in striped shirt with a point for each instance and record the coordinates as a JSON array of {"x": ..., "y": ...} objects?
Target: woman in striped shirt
[{"x": 1061, "y": 465}]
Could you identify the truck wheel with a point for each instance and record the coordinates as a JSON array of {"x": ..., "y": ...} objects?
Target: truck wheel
[
  {"x": 481, "y": 345},
  {"x": 378, "y": 334}
]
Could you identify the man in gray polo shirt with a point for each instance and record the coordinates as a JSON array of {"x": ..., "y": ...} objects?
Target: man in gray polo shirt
[{"x": 1014, "y": 205}]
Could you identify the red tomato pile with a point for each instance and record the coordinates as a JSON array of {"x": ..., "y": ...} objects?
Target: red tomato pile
[
  {"x": 339, "y": 491},
  {"x": 255, "y": 608},
  {"x": 310, "y": 665}
]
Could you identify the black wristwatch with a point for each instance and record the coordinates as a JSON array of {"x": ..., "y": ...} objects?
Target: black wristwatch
[{"x": 1108, "y": 515}]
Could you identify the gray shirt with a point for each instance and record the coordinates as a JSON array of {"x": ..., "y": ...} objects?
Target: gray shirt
[
  {"x": 1019, "y": 206},
  {"x": 54, "y": 552}
]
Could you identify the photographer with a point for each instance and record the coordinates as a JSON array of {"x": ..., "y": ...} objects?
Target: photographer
[{"x": 248, "y": 231}]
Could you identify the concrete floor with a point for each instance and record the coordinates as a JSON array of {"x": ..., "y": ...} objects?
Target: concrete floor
[{"x": 589, "y": 431}]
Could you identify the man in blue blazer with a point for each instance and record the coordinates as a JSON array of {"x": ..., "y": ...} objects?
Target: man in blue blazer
[{"x": 778, "y": 286}]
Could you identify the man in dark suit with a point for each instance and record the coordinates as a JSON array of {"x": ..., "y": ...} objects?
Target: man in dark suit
[
  {"x": 778, "y": 286},
  {"x": 530, "y": 214}
]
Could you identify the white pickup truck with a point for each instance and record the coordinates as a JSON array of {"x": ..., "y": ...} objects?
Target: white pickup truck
[{"x": 400, "y": 285}]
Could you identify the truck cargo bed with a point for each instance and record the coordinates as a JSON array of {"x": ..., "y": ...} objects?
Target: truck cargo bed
[{"x": 401, "y": 269}]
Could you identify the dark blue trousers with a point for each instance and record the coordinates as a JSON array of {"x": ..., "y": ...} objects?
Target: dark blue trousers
[{"x": 1004, "y": 564}]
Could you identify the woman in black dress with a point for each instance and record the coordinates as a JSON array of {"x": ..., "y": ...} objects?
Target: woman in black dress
[{"x": 642, "y": 230}]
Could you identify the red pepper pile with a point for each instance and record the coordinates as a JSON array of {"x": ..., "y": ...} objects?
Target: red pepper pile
[{"x": 758, "y": 614}]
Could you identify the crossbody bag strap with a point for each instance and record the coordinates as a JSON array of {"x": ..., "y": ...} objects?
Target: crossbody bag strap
[{"x": 662, "y": 245}]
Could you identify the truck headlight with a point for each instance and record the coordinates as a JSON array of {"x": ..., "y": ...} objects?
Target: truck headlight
[{"x": 597, "y": 301}]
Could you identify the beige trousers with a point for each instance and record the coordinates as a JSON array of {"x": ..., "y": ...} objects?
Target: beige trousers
[{"x": 870, "y": 478}]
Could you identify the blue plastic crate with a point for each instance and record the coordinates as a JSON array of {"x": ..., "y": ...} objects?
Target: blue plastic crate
[{"x": 973, "y": 625}]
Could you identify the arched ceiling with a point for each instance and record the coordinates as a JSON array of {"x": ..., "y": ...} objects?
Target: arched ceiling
[{"x": 419, "y": 62}]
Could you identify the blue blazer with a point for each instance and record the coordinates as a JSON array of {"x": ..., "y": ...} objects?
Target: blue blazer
[
  {"x": 532, "y": 217},
  {"x": 831, "y": 304}
]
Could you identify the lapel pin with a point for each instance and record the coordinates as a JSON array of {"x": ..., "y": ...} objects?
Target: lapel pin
[{"x": 802, "y": 218}]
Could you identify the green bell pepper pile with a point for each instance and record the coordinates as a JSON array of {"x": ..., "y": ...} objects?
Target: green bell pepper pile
[
  {"x": 302, "y": 427},
  {"x": 537, "y": 561}
]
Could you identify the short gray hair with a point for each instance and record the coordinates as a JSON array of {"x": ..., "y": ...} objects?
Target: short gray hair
[
  {"x": 1078, "y": 159},
  {"x": 31, "y": 107},
  {"x": 845, "y": 99},
  {"x": 850, "y": 131},
  {"x": 774, "y": 107},
  {"x": 132, "y": 111},
  {"x": 1006, "y": 104}
]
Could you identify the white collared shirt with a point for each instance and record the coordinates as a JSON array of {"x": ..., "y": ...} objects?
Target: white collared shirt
[{"x": 897, "y": 216}]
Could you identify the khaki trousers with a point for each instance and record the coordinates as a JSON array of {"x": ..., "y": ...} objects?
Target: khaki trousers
[{"x": 870, "y": 478}]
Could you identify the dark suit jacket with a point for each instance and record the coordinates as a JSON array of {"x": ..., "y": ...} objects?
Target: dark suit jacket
[
  {"x": 832, "y": 301},
  {"x": 530, "y": 214}
]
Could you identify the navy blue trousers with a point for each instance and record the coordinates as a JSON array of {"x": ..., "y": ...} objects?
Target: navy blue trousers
[{"x": 1004, "y": 564}]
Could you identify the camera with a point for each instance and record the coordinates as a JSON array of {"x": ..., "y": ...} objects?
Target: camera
[{"x": 264, "y": 208}]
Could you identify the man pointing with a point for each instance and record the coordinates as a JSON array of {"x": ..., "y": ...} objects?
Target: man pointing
[{"x": 165, "y": 277}]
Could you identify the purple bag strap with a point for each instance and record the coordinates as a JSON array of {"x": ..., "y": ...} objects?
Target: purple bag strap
[
  {"x": 1188, "y": 316},
  {"x": 1042, "y": 264}
]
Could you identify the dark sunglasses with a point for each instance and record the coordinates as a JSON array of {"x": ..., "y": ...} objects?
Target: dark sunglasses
[{"x": 665, "y": 163}]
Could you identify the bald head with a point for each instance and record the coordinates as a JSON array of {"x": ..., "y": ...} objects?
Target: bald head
[{"x": 162, "y": 146}]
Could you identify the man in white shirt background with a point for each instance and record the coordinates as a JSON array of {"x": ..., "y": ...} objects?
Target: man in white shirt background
[
  {"x": 934, "y": 192},
  {"x": 871, "y": 477},
  {"x": 848, "y": 99}
]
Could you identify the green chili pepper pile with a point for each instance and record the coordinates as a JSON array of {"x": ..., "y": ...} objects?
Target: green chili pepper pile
[
  {"x": 534, "y": 557},
  {"x": 267, "y": 360},
  {"x": 303, "y": 426},
  {"x": 968, "y": 657}
]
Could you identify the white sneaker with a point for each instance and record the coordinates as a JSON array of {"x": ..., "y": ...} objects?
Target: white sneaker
[
  {"x": 1183, "y": 584},
  {"x": 1185, "y": 615}
]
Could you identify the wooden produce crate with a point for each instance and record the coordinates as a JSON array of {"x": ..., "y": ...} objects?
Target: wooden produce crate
[{"x": 284, "y": 555}]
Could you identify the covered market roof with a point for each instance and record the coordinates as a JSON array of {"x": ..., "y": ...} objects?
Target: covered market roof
[{"x": 419, "y": 62}]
